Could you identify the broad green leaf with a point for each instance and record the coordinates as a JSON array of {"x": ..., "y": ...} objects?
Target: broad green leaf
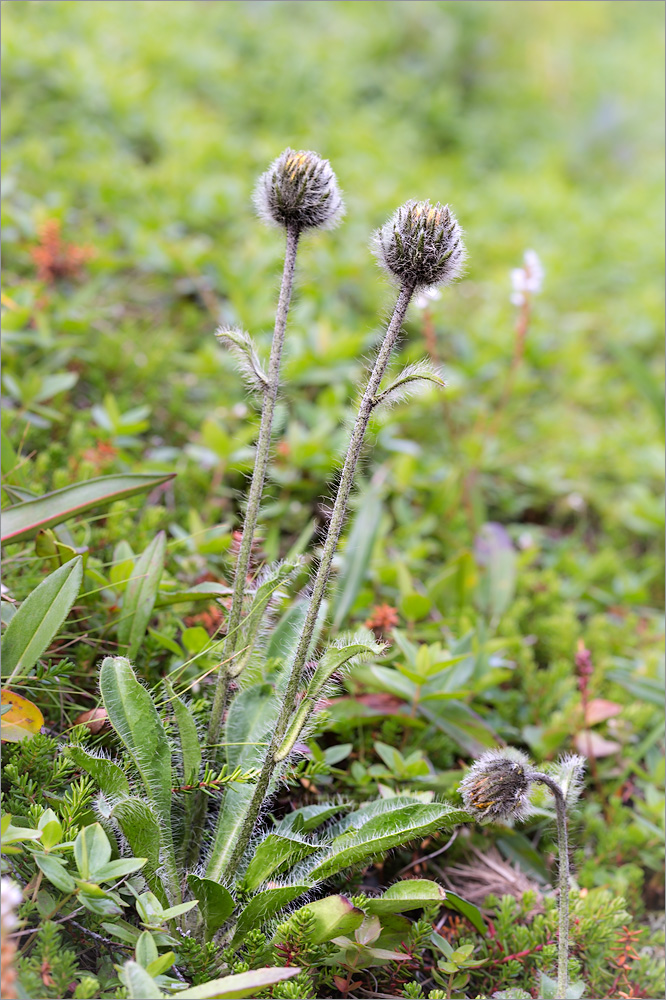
[
  {"x": 109, "y": 776},
  {"x": 411, "y": 894},
  {"x": 249, "y": 728},
  {"x": 265, "y": 905},
  {"x": 245, "y": 984},
  {"x": 37, "y": 621},
  {"x": 645, "y": 688},
  {"x": 138, "y": 983},
  {"x": 16, "y": 834},
  {"x": 55, "y": 872},
  {"x": 142, "y": 830},
  {"x": 274, "y": 852},
  {"x": 92, "y": 850},
  {"x": 284, "y": 637},
  {"x": 24, "y": 520},
  {"x": 140, "y": 595},
  {"x": 357, "y": 554},
  {"x": 333, "y": 916},
  {"x": 146, "y": 949},
  {"x": 383, "y": 832},
  {"x": 216, "y": 904}
]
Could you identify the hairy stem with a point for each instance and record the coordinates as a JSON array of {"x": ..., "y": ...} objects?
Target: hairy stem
[
  {"x": 256, "y": 488},
  {"x": 563, "y": 852},
  {"x": 319, "y": 587},
  {"x": 249, "y": 528}
]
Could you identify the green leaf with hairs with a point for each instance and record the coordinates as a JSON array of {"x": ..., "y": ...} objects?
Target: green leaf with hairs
[
  {"x": 273, "y": 853},
  {"x": 216, "y": 904},
  {"x": 109, "y": 776},
  {"x": 142, "y": 830},
  {"x": 369, "y": 837}
]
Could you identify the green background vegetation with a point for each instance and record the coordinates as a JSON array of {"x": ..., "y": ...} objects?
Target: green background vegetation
[{"x": 141, "y": 127}]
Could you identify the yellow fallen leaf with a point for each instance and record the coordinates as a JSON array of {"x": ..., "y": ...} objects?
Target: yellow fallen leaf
[{"x": 21, "y": 721}]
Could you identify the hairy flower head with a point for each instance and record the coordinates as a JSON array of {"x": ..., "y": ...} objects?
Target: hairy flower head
[
  {"x": 497, "y": 785},
  {"x": 421, "y": 245},
  {"x": 299, "y": 189}
]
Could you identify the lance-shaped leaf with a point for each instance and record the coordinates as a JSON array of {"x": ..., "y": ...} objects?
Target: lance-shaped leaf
[
  {"x": 273, "y": 853},
  {"x": 381, "y": 833},
  {"x": 410, "y": 379},
  {"x": 335, "y": 657},
  {"x": 109, "y": 776},
  {"x": 133, "y": 715},
  {"x": 24, "y": 520},
  {"x": 36, "y": 622},
  {"x": 265, "y": 593},
  {"x": 309, "y": 817},
  {"x": 265, "y": 905},
  {"x": 142, "y": 830},
  {"x": 241, "y": 346},
  {"x": 189, "y": 737},
  {"x": 140, "y": 595}
]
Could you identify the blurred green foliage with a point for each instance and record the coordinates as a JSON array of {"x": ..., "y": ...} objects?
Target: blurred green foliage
[{"x": 141, "y": 127}]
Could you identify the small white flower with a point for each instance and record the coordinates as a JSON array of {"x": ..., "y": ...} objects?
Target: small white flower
[
  {"x": 11, "y": 897},
  {"x": 527, "y": 280},
  {"x": 421, "y": 299}
]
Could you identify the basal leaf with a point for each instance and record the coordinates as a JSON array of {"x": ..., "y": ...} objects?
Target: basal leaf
[{"x": 216, "y": 904}]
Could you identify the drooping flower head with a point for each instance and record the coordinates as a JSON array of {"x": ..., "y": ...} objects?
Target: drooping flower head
[
  {"x": 497, "y": 785},
  {"x": 299, "y": 189},
  {"x": 421, "y": 245}
]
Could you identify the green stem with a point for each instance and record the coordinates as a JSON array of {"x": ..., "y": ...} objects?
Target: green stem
[
  {"x": 256, "y": 488},
  {"x": 563, "y": 852},
  {"x": 366, "y": 407}
]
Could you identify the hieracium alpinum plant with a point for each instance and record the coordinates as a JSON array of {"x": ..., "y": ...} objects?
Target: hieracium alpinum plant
[{"x": 207, "y": 844}]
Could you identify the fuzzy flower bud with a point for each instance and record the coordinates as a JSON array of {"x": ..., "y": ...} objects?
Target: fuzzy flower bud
[
  {"x": 497, "y": 785},
  {"x": 421, "y": 245},
  {"x": 299, "y": 189}
]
